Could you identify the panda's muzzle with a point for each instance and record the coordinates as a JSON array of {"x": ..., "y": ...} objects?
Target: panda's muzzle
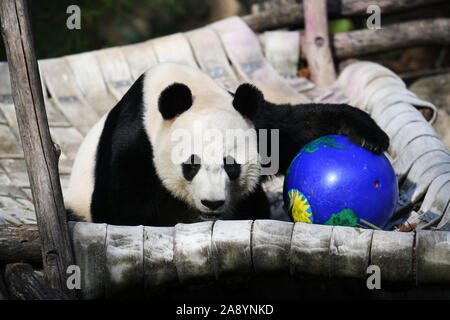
[{"x": 212, "y": 205}]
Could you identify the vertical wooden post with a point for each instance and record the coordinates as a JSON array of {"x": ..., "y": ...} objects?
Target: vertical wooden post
[
  {"x": 39, "y": 150},
  {"x": 317, "y": 43}
]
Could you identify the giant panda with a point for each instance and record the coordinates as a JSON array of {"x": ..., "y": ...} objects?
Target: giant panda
[{"x": 148, "y": 161}]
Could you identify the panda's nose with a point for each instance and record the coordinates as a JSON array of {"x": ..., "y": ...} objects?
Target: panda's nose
[{"x": 213, "y": 205}]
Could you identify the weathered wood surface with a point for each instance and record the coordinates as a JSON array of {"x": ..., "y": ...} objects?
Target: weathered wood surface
[
  {"x": 433, "y": 257},
  {"x": 192, "y": 251},
  {"x": 24, "y": 284},
  {"x": 145, "y": 259},
  {"x": 245, "y": 53},
  {"x": 62, "y": 85},
  {"x": 293, "y": 14},
  {"x": 20, "y": 244},
  {"x": 90, "y": 255},
  {"x": 115, "y": 71},
  {"x": 140, "y": 57},
  {"x": 434, "y": 204},
  {"x": 174, "y": 48},
  {"x": 212, "y": 58},
  {"x": 393, "y": 253},
  {"x": 39, "y": 151},
  {"x": 400, "y": 35},
  {"x": 317, "y": 43},
  {"x": 89, "y": 79},
  {"x": 124, "y": 260}
]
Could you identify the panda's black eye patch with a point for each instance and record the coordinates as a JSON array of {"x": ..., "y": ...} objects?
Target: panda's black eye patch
[
  {"x": 191, "y": 166},
  {"x": 232, "y": 168}
]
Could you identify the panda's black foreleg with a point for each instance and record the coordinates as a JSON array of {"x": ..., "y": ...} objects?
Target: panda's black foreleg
[
  {"x": 301, "y": 124},
  {"x": 255, "y": 206}
]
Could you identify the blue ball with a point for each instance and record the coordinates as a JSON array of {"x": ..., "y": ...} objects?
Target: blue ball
[{"x": 333, "y": 181}]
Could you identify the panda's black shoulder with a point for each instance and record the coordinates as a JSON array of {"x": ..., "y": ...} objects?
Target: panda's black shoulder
[{"x": 124, "y": 169}]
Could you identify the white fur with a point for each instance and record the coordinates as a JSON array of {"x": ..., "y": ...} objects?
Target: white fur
[{"x": 81, "y": 185}]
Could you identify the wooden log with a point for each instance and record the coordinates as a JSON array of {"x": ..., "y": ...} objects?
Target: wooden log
[
  {"x": 89, "y": 252},
  {"x": 88, "y": 76},
  {"x": 409, "y": 132},
  {"x": 393, "y": 252},
  {"x": 350, "y": 252},
  {"x": 414, "y": 150},
  {"x": 407, "y": 34},
  {"x": 174, "y": 48},
  {"x": 185, "y": 254},
  {"x": 24, "y": 284},
  {"x": 245, "y": 53},
  {"x": 159, "y": 265},
  {"x": 356, "y": 77},
  {"x": 140, "y": 58},
  {"x": 231, "y": 248},
  {"x": 20, "y": 244},
  {"x": 317, "y": 43},
  {"x": 193, "y": 252},
  {"x": 293, "y": 14},
  {"x": 212, "y": 58},
  {"x": 436, "y": 200},
  {"x": 389, "y": 114},
  {"x": 393, "y": 127},
  {"x": 433, "y": 257},
  {"x": 39, "y": 151},
  {"x": 115, "y": 71},
  {"x": 417, "y": 182},
  {"x": 271, "y": 244},
  {"x": 124, "y": 261},
  {"x": 310, "y": 250}
]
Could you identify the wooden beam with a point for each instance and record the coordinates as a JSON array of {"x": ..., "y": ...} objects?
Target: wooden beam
[
  {"x": 317, "y": 43},
  {"x": 24, "y": 284},
  {"x": 20, "y": 244},
  {"x": 39, "y": 151},
  {"x": 402, "y": 35},
  {"x": 391, "y": 37},
  {"x": 293, "y": 14}
]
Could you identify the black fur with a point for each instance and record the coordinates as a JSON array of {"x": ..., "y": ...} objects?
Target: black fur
[
  {"x": 174, "y": 100},
  {"x": 127, "y": 189},
  {"x": 301, "y": 124},
  {"x": 247, "y": 100}
]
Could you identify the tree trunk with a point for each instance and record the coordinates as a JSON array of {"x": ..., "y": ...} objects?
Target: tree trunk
[{"x": 39, "y": 151}]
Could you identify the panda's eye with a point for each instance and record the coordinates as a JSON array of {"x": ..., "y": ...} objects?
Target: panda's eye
[
  {"x": 191, "y": 166},
  {"x": 232, "y": 168}
]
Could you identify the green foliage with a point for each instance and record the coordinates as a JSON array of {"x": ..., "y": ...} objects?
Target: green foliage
[
  {"x": 340, "y": 25},
  {"x": 106, "y": 23}
]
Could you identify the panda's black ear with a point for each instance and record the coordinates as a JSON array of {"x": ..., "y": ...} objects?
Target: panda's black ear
[
  {"x": 174, "y": 100},
  {"x": 247, "y": 100}
]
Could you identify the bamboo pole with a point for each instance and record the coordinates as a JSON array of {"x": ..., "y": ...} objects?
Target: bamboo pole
[{"x": 39, "y": 150}]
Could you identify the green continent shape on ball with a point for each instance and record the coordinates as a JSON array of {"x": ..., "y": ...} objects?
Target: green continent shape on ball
[
  {"x": 346, "y": 217},
  {"x": 314, "y": 145}
]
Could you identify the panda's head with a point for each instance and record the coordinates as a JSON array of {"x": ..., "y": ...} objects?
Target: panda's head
[{"x": 208, "y": 154}]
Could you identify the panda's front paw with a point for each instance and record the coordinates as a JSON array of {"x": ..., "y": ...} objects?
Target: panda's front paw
[{"x": 370, "y": 136}]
